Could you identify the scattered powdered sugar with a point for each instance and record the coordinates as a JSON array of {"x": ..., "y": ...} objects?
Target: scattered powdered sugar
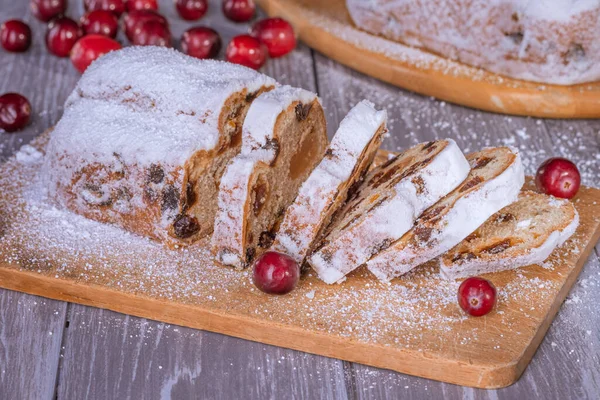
[{"x": 413, "y": 313}]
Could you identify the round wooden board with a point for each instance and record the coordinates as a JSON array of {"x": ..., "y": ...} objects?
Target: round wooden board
[{"x": 326, "y": 27}]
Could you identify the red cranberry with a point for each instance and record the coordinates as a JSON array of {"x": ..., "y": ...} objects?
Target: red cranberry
[
  {"x": 61, "y": 36},
  {"x": 201, "y": 42},
  {"x": 191, "y": 10},
  {"x": 558, "y": 177},
  {"x": 15, "y": 111},
  {"x": 45, "y": 10},
  {"x": 100, "y": 22},
  {"x": 15, "y": 36},
  {"x": 89, "y": 48},
  {"x": 152, "y": 33},
  {"x": 476, "y": 296},
  {"x": 277, "y": 34},
  {"x": 142, "y": 5},
  {"x": 276, "y": 273},
  {"x": 117, "y": 7},
  {"x": 246, "y": 50},
  {"x": 133, "y": 21},
  {"x": 239, "y": 10}
]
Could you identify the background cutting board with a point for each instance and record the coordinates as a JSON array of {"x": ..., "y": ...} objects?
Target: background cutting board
[
  {"x": 326, "y": 27},
  {"x": 412, "y": 326}
]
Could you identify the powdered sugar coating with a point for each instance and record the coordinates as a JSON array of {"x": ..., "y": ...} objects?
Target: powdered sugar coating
[
  {"x": 466, "y": 215},
  {"x": 540, "y": 40},
  {"x": 535, "y": 255},
  {"x": 322, "y": 188},
  {"x": 234, "y": 191},
  {"x": 393, "y": 218}
]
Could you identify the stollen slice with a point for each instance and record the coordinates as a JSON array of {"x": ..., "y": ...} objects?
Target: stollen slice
[
  {"x": 386, "y": 205},
  {"x": 494, "y": 182},
  {"x": 523, "y": 233},
  {"x": 284, "y": 137},
  {"x": 345, "y": 164}
]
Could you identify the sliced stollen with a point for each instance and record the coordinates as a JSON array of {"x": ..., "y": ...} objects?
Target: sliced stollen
[
  {"x": 283, "y": 138},
  {"x": 386, "y": 205},
  {"x": 145, "y": 136},
  {"x": 523, "y": 233},
  {"x": 494, "y": 182},
  {"x": 345, "y": 163}
]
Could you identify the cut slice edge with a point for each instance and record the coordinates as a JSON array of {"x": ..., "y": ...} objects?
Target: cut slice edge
[
  {"x": 494, "y": 182},
  {"x": 386, "y": 205},
  {"x": 521, "y": 234},
  {"x": 346, "y": 161}
]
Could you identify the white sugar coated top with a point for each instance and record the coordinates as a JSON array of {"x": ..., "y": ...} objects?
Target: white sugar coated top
[
  {"x": 318, "y": 193},
  {"x": 150, "y": 104}
]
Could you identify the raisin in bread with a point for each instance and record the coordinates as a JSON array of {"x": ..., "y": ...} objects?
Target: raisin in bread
[
  {"x": 523, "y": 233},
  {"x": 345, "y": 163},
  {"x": 386, "y": 205},
  {"x": 145, "y": 137},
  {"x": 550, "y": 41},
  {"x": 494, "y": 182},
  {"x": 284, "y": 137}
]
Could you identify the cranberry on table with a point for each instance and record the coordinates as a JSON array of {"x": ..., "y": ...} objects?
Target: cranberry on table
[
  {"x": 117, "y": 7},
  {"x": 152, "y": 33},
  {"x": 239, "y": 10},
  {"x": 246, "y": 50},
  {"x": 201, "y": 42},
  {"x": 100, "y": 22},
  {"x": 558, "y": 177},
  {"x": 191, "y": 10},
  {"x": 476, "y": 296},
  {"x": 89, "y": 48},
  {"x": 61, "y": 36},
  {"x": 45, "y": 10},
  {"x": 15, "y": 36},
  {"x": 141, "y": 5},
  {"x": 133, "y": 20},
  {"x": 277, "y": 34},
  {"x": 15, "y": 111},
  {"x": 275, "y": 273}
]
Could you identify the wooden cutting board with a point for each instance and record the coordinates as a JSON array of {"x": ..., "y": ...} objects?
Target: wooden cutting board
[
  {"x": 412, "y": 325},
  {"x": 326, "y": 27}
]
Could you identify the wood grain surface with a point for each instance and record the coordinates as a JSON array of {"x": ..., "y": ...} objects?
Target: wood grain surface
[
  {"x": 95, "y": 341},
  {"x": 326, "y": 27}
]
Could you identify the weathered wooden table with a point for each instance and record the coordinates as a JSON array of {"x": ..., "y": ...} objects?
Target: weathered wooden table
[{"x": 51, "y": 349}]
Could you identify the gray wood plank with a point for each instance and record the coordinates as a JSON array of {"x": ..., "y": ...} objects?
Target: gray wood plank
[
  {"x": 567, "y": 364},
  {"x": 108, "y": 355},
  {"x": 31, "y": 331},
  {"x": 30, "y": 327}
]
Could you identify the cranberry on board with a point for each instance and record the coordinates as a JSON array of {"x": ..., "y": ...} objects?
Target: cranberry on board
[
  {"x": 100, "y": 22},
  {"x": 15, "y": 36},
  {"x": 201, "y": 42},
  {"x": 115, "y": 6},
  {"x": 558, "y": 177},
  {"x": 45, "y": 10},
  {"x": 89, "y": 48},
  {"x": 152, "y": 33},
  {"x": 239, "y": 10},
  {"x": 246, "y": 50},
  {"x": 191, "y": 10},
  {"x": 141, "y": 5},
  {"x": 476, "y": 296},
  {"x": 15, "y": 111},
  {"x": 134, "y": 19},
  {"x": 61, "y": 36},
  {"x": 277, "y": 34},
  {"x": 275, "y": 273}
]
